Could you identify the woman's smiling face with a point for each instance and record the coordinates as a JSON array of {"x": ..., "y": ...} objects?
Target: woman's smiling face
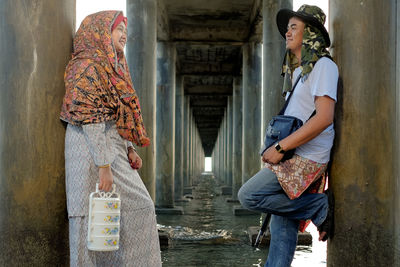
[{"x": 118, "y": 37}]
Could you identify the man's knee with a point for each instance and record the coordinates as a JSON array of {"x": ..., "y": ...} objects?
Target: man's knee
[{"x": 245, "y": 198}]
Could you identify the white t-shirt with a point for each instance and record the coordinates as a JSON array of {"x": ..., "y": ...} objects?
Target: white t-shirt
[{"x": 322, "y": 81}]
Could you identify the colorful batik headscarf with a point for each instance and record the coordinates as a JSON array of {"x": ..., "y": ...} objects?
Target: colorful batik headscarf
[{"x": 98, "y": 83}]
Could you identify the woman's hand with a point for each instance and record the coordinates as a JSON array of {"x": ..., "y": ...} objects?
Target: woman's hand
[
  {"x": 106, "y": 179},
  {"x": 134, "y": 160},
  {"x": 271, "y": 155}
]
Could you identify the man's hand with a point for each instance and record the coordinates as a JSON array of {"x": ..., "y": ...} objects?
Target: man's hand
[
  {"x": 106, "y": 179},
  {"x": 271, "y": 155},
  {"x": 134, "y": 160}
]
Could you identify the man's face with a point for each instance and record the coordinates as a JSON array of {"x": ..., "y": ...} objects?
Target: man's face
[{"x": 294, "y": 35}]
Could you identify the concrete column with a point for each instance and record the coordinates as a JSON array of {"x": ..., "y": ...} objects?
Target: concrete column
[
  {"x": 35, "y": 47},
  {"x": 365, "y": 168},
  {"x": 273, "y": 52},
  {"x": 141, "y": 56},
  {"x": 215, "y": 159},
  {"x": 179, "y": 138},
  {"x": 223, "y": 132},
  {"x": 186, "y": 130},
  {"x": 165, "y": 133},
  {"x": 218, "y": 174},
  {"x": 227, "y": 189},
  {"x": 230, "y": 143},
  {"x": 191, "y": 148},
  {"x": 251, "y": 136},
  {"x": 237, "y": 137},
  {"x": 221, "y": 153}
]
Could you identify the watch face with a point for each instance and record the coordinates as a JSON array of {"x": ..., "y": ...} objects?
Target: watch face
[{"x": 278, "y": 148}]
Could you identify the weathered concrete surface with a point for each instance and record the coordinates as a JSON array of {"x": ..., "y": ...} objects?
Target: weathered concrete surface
[
  {"x": 196, "y": 21},
  {"x": 251, "y": 138},
  {"x": 141, "y": 56},
  {"x": 237, "y": 137},
  {"x": 179, "y": 137},
  {"x": 165, "y": 132},
  {"x": 35, "y": 46},
  {"x": 365, "y": 173},
  {"x": 273, "y": 53}
]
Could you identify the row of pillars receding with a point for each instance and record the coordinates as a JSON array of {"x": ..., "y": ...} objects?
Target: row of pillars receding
[
  {"x": 176, "y": 156},
  {"x": 35, "y": 46}
]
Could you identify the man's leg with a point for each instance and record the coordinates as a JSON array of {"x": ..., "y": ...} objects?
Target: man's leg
[
  {"x": 283, "y": 241},
  {"x": 263, "y": 193}
]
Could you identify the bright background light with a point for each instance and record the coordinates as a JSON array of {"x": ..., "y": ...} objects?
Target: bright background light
[
  {"x": 208, "y": 164},
  {"x": 87, "y": 7}
]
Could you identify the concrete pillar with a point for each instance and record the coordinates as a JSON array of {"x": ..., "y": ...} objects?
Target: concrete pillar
[
  {"x": 237, "y": 137},
  {"x": 365, "y": 169},
  {"x": 179, "y": 137},
  {"x": 186, "y": 130},
  {"x": 227, "y": 189},
  {"x": 191, "y": 148},
  {"x": 224, "y": 169},
  {"x": 273, "y": 52},
  {"x": 251, "y": 136},
  {"x": 165, "y": 133},
  {"x": 230, "y": 143},
  {"x": 221, "y": 153},
  {"x": 215, "y": 159},
  {"x": 35, "y": 47},
  {"x": 141, "y": 56}
]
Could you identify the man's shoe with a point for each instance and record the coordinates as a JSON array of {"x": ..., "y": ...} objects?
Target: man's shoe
[{"x": 327, "y": 225}]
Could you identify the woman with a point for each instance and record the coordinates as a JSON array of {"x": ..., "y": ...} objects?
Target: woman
[
  {"x": 286, "y": 189},
  {"x": 103, "y": 115}
]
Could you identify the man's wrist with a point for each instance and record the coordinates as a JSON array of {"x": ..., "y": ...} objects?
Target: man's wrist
[{"x": 279, "y": 148}]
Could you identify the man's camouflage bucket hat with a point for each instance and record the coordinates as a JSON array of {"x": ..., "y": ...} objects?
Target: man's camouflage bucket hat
[{"x": 312, "y": 15}]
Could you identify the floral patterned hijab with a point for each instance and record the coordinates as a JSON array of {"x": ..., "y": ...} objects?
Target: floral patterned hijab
[
  {"x": 98, "y": 84},
  {"x": 313, "y": 48}
]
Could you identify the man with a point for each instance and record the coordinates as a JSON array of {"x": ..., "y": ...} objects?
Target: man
[{"x": 288, "y": 189}]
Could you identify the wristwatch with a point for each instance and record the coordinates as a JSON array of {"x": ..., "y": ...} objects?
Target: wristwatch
[{"x": 279, "y": 148}]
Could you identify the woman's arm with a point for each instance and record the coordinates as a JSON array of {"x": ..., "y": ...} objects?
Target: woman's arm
[
  {"x": 95, "y": 135},
  {"x": 134, "y": 159},
  {"x": 325, "y": 109}
]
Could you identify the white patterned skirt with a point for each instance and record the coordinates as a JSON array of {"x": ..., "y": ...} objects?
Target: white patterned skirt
[{"x": 139, "y": 241}]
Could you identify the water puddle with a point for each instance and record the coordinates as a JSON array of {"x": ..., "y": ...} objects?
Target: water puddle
[{"x": 208, "y": 234}]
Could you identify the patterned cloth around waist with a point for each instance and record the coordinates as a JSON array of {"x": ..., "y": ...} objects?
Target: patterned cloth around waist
[{"x": 297, "y": 174}]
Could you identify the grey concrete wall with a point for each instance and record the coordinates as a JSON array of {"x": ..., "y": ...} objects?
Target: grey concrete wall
[
  {"x": 365, "y": 177},
  {"x": 141, "y": 56},
  {"x": 165, "y": 132},
  {"x": 237, "y": 137},
  {"x": 35, "y": 46},
  {"x": 179, "y": 137},
  {"x": 273, "y": 53},
  {"x": 251, "y": 137}
]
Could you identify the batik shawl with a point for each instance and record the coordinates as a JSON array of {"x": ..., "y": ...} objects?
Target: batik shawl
[
  {"x": 98, "y": 83},
  {"x": 298, "y": 175}
]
